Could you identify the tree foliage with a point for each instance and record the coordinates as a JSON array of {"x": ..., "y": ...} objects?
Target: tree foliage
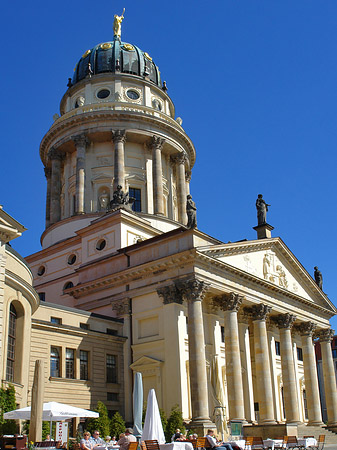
[
  {"x": 174, "y": 421},
  {"x": 7, "y": 403},
  {"x": 117, "y": 425},
  {"x": 101, "y": 423}
]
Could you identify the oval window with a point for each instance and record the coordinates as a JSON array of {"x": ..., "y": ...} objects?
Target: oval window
[
  {"x": 100, "y": 244},
  {"x": 103, "y": 93},
  {"x": 41, "y": 270},
  {"x": 72, "y": 259},
  {"x": 134, "y": 95}
]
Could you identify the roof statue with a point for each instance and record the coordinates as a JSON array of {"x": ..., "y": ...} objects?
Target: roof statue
[
  {"x": 262, "y": 208},
  {"x": 318, "y": 277},
  {"x": 117, "y": 26}
]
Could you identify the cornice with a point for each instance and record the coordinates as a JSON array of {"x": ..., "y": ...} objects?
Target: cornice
[
  {"x": 206, "y": 260},
  {"x": 131, "y": 274},
  {"x": 127, "y": 115},
  {"x": 16, "y": 282}
]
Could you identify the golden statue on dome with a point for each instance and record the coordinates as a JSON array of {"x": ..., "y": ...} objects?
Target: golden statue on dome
[{"x": 117, "y": 26}]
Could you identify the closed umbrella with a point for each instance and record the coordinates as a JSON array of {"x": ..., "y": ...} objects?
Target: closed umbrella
[
  {"x": 153, "y": 428},
  {"x": 137, "y": 405},
  {"x": 35, "y": 429}
]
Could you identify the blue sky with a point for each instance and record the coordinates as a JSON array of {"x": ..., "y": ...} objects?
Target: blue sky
[{"x": 254, "y": 81}]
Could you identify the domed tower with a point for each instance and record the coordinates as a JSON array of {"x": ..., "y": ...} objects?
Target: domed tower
[{"x": 116, "y": 127}]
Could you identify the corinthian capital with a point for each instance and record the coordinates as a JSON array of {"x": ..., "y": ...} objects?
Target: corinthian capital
[
  {"x": 307, "y": 328},
  {"x": 119, "y": 136},
  {"x": 188, "y": 176},
  {"x": 121, "y": 307},
  {"x": 80, "y": 140},
  {"x": 156, "y": 142},
  {"x": 230, "y": 301},
  {"x": 191, "y": 289},
  {"x": 285, "y": 320},
  {"x": 326, "y": 334},
  {"x": 54, "y": 154},
  {"x": 170, "y": 294},
  {"x": 261, "y": 311},
  {"x": 182, "y": 158}
]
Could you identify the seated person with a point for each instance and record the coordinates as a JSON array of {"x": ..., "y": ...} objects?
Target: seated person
[
  {"x": 176, "y": 435},
  {"x": 48, "y": 438},
  {"x": 108, "y": 440},
  {"x": 85, "y": 443},
  {"x": 215, "y": 444},
  {"x": 113, "y": 440},
  {"x": 96, "y": 440},
  {"x": 125, "y": 441}
]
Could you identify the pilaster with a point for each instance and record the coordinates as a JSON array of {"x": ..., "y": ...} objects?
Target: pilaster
[
  {"x": 55, "y": 191},
  {"x": 119, "y": 138},
  {"x": 47, "y": 172},
  {"x": 81, "y": 142},
  {"x": 156, "y": 144}
]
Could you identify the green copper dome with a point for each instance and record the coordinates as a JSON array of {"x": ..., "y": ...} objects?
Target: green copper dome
[{"x": 116, "y": 57}]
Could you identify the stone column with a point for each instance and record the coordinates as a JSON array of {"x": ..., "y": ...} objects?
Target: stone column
[
  {"x": 188, "y": 176},
  {"x": 81, "y": 142},
  {"x": 47, "y": 172},
  {"x": 310, "y": 374},
  {"x": 262, "y": 367},
  {"x": 285, "y": 322},
  {"x": 181, "y": 187},
  {"x": 325, "y": 337},
  {"x": 230, "y": 304},
  {"x": 193, "y": 291},
  {"x": 55, "y": 189},
  {"x": 156, "y": 144},
  {"x": 123, "y": 310},
  {"x": 119, "y": 137}
]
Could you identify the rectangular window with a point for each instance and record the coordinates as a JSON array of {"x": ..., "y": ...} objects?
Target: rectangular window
[
  {"x": 42, "y": 296},
  {"x": 334, "y": 353},
  {"x": 277, "y": 348},
  {"x": 56, "y": 320},
  {"x": 136, "y": 194},
  {"x": 299, "y": 354},
  {"x": 11, "y": 345},
  {"x": 84, "y": 365},
  {"x": 84, "y": 326},
  {"x": 112, "y": 396},
  {"x": 111, "y": 368},
  {"x": 55, "y": 362},
  {"x": 222, "y": 334},
  {"x": 70, "y": 366}
]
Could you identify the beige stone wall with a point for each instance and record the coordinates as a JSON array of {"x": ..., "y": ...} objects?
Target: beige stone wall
[{"x": 81, "y": 393}]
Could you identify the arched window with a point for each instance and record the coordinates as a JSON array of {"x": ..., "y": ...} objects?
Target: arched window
[
  {"x": 54, "y": 362},
  {"x": 11, "y": 344}
]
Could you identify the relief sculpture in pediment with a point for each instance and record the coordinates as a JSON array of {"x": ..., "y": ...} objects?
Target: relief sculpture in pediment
[{"x": 274, "y": 272}]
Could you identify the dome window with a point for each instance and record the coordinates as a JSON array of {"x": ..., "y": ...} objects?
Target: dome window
[
  {"x": 41, "y": 270},
  {"x": 101, "y": 244},
  {"x": 71, "y": 259},
  {"x": 134, "y": 95},
  {"x": 103, "y": 93}
]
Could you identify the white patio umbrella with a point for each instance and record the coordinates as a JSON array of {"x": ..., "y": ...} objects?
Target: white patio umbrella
[
  {"x": 52, "y": 412},
  {"x": 153, "y": 428}
]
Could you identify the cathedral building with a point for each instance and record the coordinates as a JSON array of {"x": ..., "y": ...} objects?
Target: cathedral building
[{"x": 128, "y": 283}]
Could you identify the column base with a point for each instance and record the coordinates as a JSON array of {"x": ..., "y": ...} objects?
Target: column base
[
  {"x": 314, "y": 423},
  {"x": 201, "y": 426}
]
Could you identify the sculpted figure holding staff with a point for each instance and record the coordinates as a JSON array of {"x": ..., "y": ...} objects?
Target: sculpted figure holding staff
[{"x": 117, "y": 26}]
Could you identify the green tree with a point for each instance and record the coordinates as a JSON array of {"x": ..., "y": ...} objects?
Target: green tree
[
  {"x": 7, "y": 403},
  {"x": 101, "y": 423},
  {"x": 117, "y": 425},
  {"x": 174, "y": 421}
]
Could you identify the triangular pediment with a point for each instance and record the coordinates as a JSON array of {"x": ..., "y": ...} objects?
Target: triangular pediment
[
  {"x": 9, "y": 227},
  {"x": 144, "y": 363},
  {"x": 270, "y": 260}
]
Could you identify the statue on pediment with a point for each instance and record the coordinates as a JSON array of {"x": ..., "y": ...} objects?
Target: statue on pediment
[
  {"x": 121, "y": 199},
  {"x": 318, "y": 277},
  {"x": 262, "y": 208}
]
